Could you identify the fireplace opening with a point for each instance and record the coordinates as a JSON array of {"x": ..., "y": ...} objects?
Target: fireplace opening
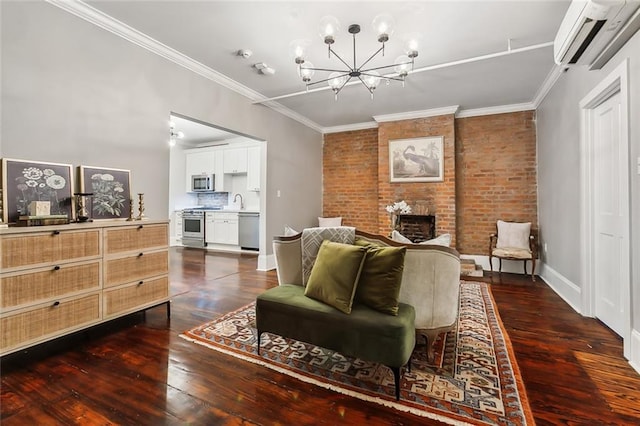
[{"x": 418, "y": 228}]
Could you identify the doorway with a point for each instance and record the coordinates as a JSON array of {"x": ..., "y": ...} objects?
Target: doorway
[
  {"x": 211, "y": 150},
  {"x": 605, "y": 204}
]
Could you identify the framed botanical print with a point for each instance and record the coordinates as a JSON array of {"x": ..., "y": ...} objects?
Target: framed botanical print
[
  {"x": 111, "y": 189},
  {"x": 24, "y": 181},
  {"x": 416, "y": 160}
]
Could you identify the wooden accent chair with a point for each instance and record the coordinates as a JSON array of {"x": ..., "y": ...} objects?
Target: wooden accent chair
[{"x": 514, "y": 241}]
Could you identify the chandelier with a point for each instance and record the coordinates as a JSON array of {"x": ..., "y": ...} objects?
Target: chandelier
[{"x": 369, "y": 76}]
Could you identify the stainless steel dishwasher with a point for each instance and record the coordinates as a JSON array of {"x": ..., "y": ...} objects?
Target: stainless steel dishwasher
[{"x": 249, "y": 230}]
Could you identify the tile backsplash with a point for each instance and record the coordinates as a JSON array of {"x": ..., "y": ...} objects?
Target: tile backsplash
[{"x": 214, "y": 199}]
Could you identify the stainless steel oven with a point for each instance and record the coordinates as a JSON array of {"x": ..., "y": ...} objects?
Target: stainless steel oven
[{"x": 193, "y": 228}]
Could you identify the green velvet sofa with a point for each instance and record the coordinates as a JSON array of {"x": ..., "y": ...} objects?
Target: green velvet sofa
[
  {"x": 365, "y": 333},
  {"x": 430, "y": 280}
]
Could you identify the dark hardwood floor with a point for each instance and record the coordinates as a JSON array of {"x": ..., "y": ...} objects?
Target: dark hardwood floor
[{"x": 136, "y": 370}]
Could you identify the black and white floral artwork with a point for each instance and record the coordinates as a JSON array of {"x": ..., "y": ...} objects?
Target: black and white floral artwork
[
  {"x": 111, "y": 190},
  {"x": 25, "y": 181}
]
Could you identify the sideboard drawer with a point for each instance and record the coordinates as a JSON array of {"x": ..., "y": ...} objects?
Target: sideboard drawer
[
  {"x": 133, "y": 297},
  {"x": 38, "y": 285},
  {"x": 25, "y": 328},
  {"x": 135, "y": 237},
  {"x": 135, "y": 268},
  {"x": 46, "y": 247}
]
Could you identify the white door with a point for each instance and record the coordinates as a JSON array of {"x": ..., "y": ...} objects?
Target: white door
[{"x": 609, "y": 215}]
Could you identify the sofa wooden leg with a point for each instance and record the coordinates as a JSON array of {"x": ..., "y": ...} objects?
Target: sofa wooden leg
[
  {"x": 396, "y": 376},
  {"x": 430, "y": 336},
  {"x": 259, "y": 334}
]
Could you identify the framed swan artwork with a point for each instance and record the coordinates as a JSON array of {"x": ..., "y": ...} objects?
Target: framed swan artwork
[{"x": 417, "y": 159}]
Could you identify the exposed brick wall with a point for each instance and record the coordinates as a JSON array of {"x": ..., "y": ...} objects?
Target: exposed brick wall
[
  {"x": 490, "y": 174},
  {"x": 438, "y": 196},
  {"x": 496, "y": 175},
  {"x": 350, "y": 178}
]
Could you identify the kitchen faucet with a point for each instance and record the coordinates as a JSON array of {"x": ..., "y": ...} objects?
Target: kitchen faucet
[{"x": 241, "y": 202}]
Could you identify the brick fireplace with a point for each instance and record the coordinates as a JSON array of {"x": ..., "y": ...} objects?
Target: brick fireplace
[
  {"x": 417, "y": 228},
  {"x": 489, "y": 174}
]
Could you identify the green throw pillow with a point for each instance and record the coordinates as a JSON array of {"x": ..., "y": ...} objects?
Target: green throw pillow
[
  {"x": 379, "y": 285},
  {"x": 335, "y": 274},
  {"x": 364, "y": 243}
]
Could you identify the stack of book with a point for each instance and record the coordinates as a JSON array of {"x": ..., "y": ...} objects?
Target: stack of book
[{"x": 50, "y": 219}]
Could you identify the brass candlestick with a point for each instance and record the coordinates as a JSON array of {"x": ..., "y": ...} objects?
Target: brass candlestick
[
  {"x": 141, "y": 215},
  {"x": 130, "y": 210}
]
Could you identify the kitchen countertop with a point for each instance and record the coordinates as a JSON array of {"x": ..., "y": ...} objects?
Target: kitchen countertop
[{"x": 223, "y": 210}]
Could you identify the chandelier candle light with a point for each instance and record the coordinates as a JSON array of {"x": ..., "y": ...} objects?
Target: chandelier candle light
[{"x": 370, "y": 77}]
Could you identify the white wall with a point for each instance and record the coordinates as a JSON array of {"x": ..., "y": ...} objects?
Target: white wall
[
  {"x": 75, "y": 93},
  {"x": 559, "y": 181}
]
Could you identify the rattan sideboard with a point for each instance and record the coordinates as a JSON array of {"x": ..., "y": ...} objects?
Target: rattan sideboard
[{"x": 55, "y": 280}]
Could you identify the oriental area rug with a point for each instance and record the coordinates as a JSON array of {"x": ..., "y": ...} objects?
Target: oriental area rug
[{"x": 474, "y": 379}]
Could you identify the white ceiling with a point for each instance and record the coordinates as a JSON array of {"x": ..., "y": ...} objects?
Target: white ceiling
[
  {"x": 211, "y": 32},
  {"x": 197, "y": 133}
]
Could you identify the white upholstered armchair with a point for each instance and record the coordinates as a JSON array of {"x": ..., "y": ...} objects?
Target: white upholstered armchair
[{"x": 514, "y": 241}]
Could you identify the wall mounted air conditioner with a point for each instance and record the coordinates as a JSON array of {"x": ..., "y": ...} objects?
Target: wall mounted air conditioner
[{"x": 588, "y": 28}]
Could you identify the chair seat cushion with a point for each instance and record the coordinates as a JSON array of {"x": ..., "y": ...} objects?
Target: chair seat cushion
[{"x": 512, "y": 252}]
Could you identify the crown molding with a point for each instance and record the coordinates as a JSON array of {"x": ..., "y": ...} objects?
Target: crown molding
[
  {"x": 106, "y": 22},
  {"x": 416, "y": 114},
  {"x": 548, "y": 84},
  {"x": 502, "y": 109},
  {"x": 350, "y": 127}
]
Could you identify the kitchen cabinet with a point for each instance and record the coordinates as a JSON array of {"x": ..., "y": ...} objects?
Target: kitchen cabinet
[
  {"x": 177, "y": 226},
  {"x": 221, "y": 182},
  {"x": 198, "y": 162},
  {"x": 253, "y": 168},
  {"x": 221, "y": 228},
  {"x": 235, "y": 160},
  {"x": 208, "y": 227}
]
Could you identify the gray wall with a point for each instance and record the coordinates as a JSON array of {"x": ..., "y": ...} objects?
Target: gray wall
[
  {"x": 559, "y": 168},
  {"x": 75, "y": 93}
]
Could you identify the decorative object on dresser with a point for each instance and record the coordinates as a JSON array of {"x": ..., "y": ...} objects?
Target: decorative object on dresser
[
  {"x": 141, "y": 215},
  {"x": 25, "y": 181},
  {"x": 84, "y": 206},
  {"x": 2, "y": 224},
  {"x": 58, "y": 280},
  {"x": 416, "y": 160},
  {"x": 111, "y": 190}
]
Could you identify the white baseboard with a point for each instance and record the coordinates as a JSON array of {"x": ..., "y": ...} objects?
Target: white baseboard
[
  {"x": 634, "y": 359},
  {"x": 266, "y": 262},
  {"x": 570, "y": 292},
  {"x": 510, "y": 266}
]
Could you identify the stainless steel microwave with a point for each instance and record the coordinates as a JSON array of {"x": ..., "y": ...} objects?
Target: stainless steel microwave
[{"x": 203, "y": 183}]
